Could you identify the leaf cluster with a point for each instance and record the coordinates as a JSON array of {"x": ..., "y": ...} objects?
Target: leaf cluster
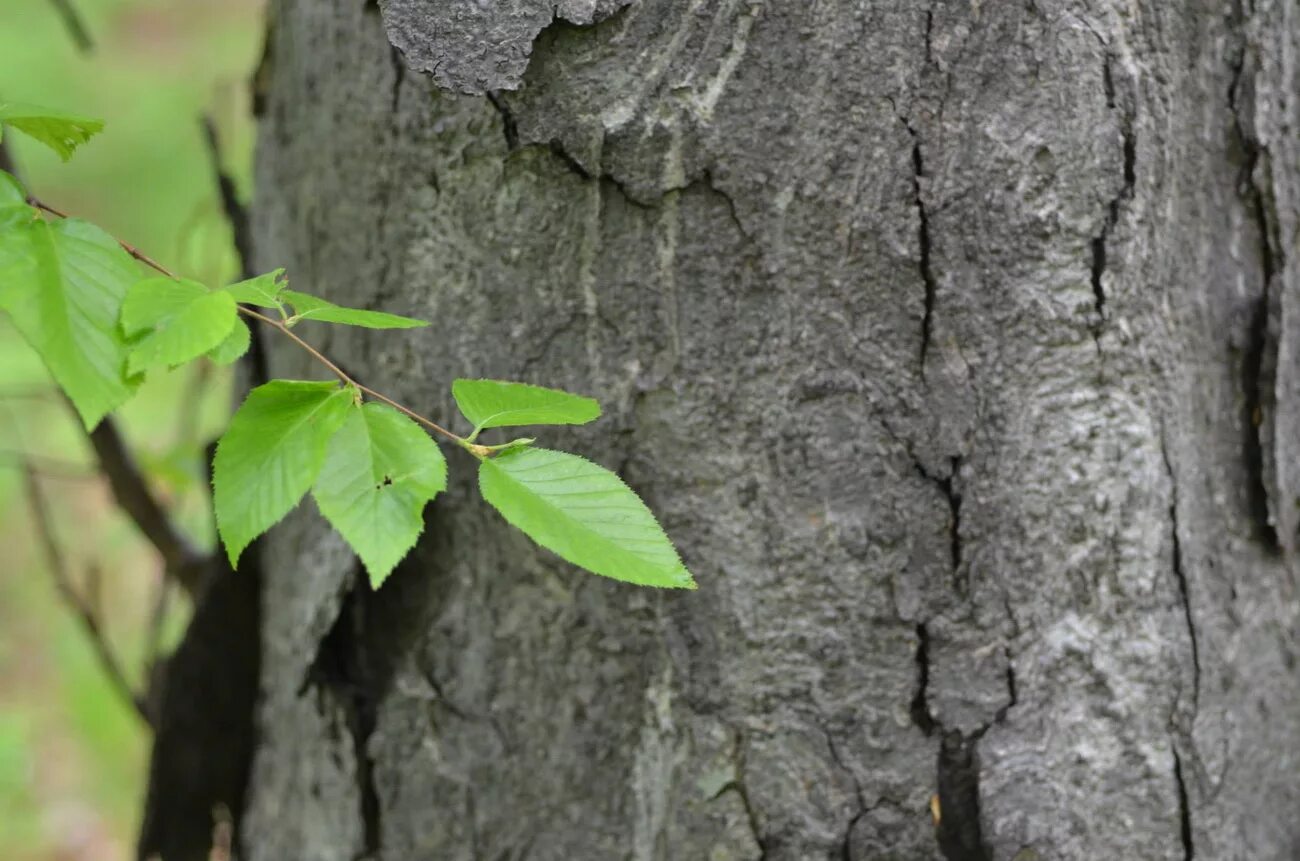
[{"x": 100, "y": 325}]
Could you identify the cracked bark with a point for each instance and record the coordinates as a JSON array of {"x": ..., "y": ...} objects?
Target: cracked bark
[{"x": 1025, "y": 575}]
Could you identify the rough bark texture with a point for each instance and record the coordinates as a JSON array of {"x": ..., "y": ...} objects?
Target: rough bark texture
[{"x": 958, "y": 346}]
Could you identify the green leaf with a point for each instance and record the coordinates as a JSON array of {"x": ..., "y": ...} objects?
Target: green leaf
[
  {"x": 185, "y": 318},
  {"x": 13, "y": 201},
  {"x": 311, "y": 308},
  {"x": 271, "y": 454},
  {"x": 61, "y": 132},
  {"x": 584, "y": 513},
  {"x": 63, "y": 283},
  {"x": 152, "y": 300},
  {"x": 235, "y": 345},
  {"x": 263, "y": 291},
  {"x": 495, "y": 404},
  {"x": 380, "y": 471}
]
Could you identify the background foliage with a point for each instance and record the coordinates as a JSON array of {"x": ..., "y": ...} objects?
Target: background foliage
[{"x": 72, "y": 755}]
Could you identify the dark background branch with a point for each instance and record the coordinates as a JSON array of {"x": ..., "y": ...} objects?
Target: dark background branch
[
  {"x": 183, "y": 561},
  {"x": 75, "y": 25},
  {"x": 83, "y": 608}
]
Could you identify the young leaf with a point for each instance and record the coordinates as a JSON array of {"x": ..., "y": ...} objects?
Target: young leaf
[
  {"x": 584, "y": 513},
  {"x": 271, "y": 454},
  {"x": 495, "y": 404},
  {"x": 380, "y": 471},
  {"x": 263, "y": 291},
  {"x": 63, "y": 282},
  {"x": 235, "y": 345},
  {"x": 186, "y": 321},
  {"x": 311, "y": 308},
  {"x": 61, "y": 132}
]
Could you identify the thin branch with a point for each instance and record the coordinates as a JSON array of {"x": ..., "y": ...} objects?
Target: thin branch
[
  {"x": 289, "y": 333},
  {"x": 157, "y": 620},
  {"x": 83, "y": 610},
  {"x": 181, "y": 558},
  {"x": 73, "y": 23},
  {"x": 126, "y": 246}
]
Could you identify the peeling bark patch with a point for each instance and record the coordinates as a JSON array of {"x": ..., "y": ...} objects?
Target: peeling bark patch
[{"x": 476, "y": 47}]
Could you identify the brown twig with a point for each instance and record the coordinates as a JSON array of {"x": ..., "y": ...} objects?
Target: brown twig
[
  {"x": 84, "y": 611},
  {"x": 284, "y": 330}
]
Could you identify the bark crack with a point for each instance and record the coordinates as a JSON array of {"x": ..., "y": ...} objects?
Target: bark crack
[
  {"x": 923, "y": 241},
  {"x": 509, "y": 128},
  {"x": 1180, "y": 576},
  {"x": 947, "y": 485},
  {"x": 1184, "y": 810},
  {"x": 920, "y": 709},
  {"x": 737, "y": 785},
  {"x": 342, "y": 671},
  {"x": 959, "y": 833},
  {"x": 862, "y": 809},
  {"x": 399, "y": 75},
  {"x": 1129, "y": 173}
]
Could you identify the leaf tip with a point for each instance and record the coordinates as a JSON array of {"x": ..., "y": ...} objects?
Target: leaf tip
[
  {"x": 233, "y": 552},
  {"x": 378, "y": 576}
]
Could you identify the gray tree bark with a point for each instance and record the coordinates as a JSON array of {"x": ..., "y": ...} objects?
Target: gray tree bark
[{"x": 958, "y": 346}]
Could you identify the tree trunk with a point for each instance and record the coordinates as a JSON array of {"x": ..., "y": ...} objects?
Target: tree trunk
[{"x": 958, "y": 347}]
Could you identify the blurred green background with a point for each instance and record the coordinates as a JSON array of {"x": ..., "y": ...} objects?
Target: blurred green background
[{"x": 72, "y": 754}]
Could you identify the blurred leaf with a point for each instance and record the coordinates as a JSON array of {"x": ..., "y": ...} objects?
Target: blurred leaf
[
  {"x": 63, "y": 283},
  {"x": 61, "y": 132}
]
